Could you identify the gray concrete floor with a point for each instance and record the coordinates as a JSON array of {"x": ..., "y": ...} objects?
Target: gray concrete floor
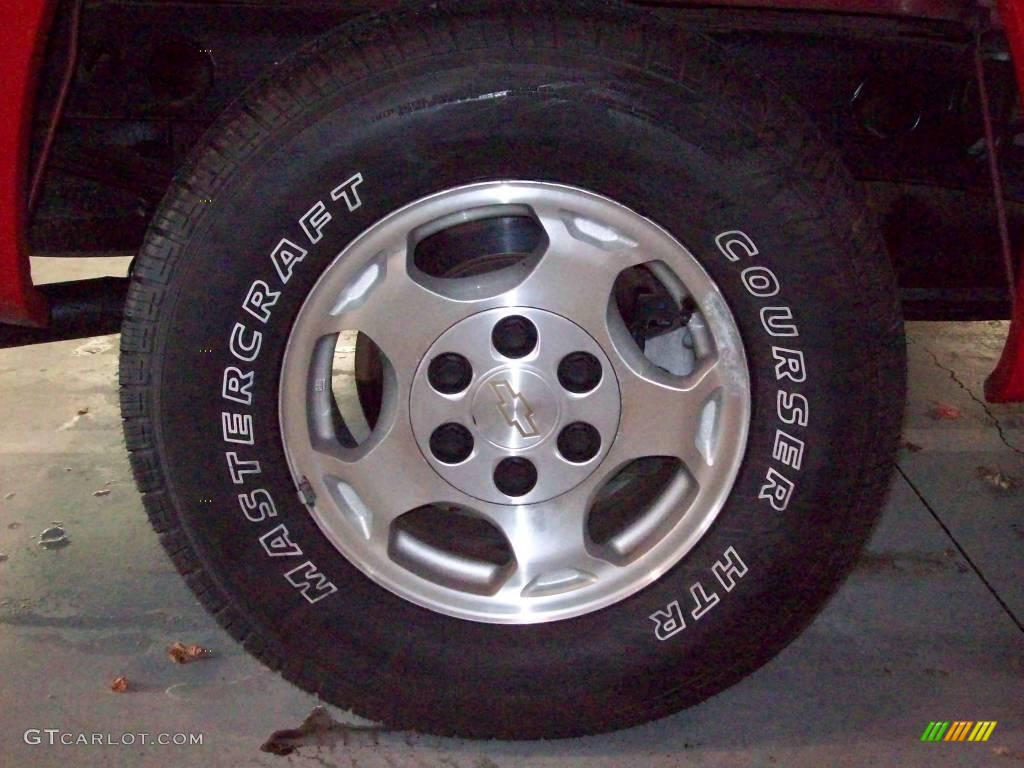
[{"x": 927, "y": 628}]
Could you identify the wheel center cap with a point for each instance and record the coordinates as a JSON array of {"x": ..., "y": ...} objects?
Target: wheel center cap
[
  {"x": 498, "y": 413},
  {"x": 514, "y": 408}
]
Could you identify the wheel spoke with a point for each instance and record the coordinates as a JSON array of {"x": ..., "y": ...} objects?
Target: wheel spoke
[
  {"x": 400, "y": 315},
  {"x": 576, "y": 273},
  {"x": 662, "y": 415},
  {"x": 550, "y": 546},
  {"x": 369, "y": 477}
]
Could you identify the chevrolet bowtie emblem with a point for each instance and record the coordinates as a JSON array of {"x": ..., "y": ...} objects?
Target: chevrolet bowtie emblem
[{"x": 515, "y": 409}]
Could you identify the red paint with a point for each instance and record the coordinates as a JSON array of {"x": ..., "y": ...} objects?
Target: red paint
[
  {"x": 23, "y": 28},
  {"x": 1006, "y": 384}
]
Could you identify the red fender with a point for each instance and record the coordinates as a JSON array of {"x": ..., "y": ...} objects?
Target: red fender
[
  {"x": 1006, "y": 384},
  {"x": 23, "y": 30}
]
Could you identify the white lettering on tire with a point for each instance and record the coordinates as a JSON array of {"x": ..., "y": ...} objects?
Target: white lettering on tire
[
  {"x": 792, "y": 408},
  {"x": 237, "y": 385},
  {"x": 734, "y": 244},
  {"x": 348, "y": 191},
  {"x": 702, "y": 600},
  {"x": 671, "y": 620},
  {"x": 260, "y": 300},
  {"x": 760, "y": 282},
  {"x": 278, "y": 543},
  {"x": 313, "y": 585},
  {"x": 314, "y": 220},
  {"x": 778, "y": 322},
  {"x": 257, "y": 505},
  {"x": 237, "y": 428},
  {"x": 789, "y": 364},
  {"x": 245, "y": 344},
  {"x": 729, "y": 570},
  {"x": 285, "y": 256},
  {"x": 245, "y": 351},
  {"x": 668, "y": 622},
  {"x": 788, "y": 449},
  {"x": 239, "y": 468},
  {"x": 778, "y": 490}
]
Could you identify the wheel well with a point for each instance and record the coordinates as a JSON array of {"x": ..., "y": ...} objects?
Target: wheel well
[{"x": 897, "y": 97}]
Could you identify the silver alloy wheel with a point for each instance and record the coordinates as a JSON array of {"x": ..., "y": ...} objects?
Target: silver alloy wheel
[{"x": 691, "y": 404}]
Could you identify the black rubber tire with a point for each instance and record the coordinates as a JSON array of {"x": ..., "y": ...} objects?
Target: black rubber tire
[{"x": 591, "y": 94}]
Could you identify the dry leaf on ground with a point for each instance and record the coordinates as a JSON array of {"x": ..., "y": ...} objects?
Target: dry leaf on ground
[
  {"x": 183, "y": 654},
  {"x": 997, "y": 479},
  {"x": 945, "y": 412}
]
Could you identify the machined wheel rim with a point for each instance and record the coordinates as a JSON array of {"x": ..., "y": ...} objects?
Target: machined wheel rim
[{"x": 513, "y": 402}]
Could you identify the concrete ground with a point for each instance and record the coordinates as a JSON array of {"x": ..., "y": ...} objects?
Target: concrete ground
[{"x": 927, "y": 628}]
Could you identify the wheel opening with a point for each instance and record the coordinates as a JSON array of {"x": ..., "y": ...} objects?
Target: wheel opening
[
  {"x": 629, "y": 495},
  {"x": 453, "y": 547},
  {"x": 477, "y": 247},
  {"x": 357, "y": 387},
  {"x": 458, "y": 531},
  {"x": 663, "y": 321}
]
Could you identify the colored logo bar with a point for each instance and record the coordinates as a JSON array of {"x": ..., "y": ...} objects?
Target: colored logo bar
[{"x": 958, "y": 730}]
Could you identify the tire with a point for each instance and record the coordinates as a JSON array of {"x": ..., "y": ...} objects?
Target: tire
[{"x": 605, "y": 106}]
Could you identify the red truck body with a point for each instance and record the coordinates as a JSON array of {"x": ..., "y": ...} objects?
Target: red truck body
[{"x": 22, "y": 44}]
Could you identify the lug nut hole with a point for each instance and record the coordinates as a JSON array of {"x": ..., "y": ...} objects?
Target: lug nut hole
[
  {"x": 515, "y": 477},
  {"x": 514, "y": 337},
  {"x": 451, "y": 443},
  {"x": 450, "y": 373},
  {"x": 579, "y": 372},
  {"x": 579, "y": 442}
]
